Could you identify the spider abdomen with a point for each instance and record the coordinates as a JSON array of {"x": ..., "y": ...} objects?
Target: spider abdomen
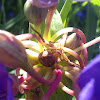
[{"x": 47, "y": 59}]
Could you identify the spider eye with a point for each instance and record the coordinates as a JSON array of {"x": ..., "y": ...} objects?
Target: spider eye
[{"x": 47, "y": 59}]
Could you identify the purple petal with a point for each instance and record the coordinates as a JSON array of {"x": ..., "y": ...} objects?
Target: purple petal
[
  {"x": 92, "y": 71},
  {"x": 10, "y": 92},
  {"x": 3, "y": 81},
  {"x": 86, "y": 90},
  {"x": 44, "y": 3},
  {"x": 3, "y": 77},
  {"x": 0, "y": 6},
  {"x": 5, "y": 84}
]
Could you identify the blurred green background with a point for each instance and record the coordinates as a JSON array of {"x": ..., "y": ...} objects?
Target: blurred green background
[
  {"x": 82, "y": 15},
  {"x": 12, "y": 16}
]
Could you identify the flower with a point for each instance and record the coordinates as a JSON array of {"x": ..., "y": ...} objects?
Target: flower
[
  {"x": 49, "y": 57},
  {"x": 59, "y": 49},
  {"x": 42, "y": 73},
  {"x": 89, "y": 81}
]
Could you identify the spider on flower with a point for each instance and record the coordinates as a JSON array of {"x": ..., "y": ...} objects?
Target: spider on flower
[
  {"x": 56, "y": 55},
  {"x": 45, "y": 62}
]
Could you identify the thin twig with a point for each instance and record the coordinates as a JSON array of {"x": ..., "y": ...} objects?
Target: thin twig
[{"x": 37, "y": 33}]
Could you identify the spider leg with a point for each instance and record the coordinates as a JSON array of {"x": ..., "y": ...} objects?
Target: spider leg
[
  {"x": 70, "y": 62},
  {"x": 27, "y": 36},
  {"x": 37, "y": 33}
]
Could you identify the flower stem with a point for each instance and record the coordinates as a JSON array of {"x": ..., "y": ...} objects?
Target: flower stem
[
  {"x": 88, "y": 44},
  {"x": 35, "y": 75},
  {"x": 27, "y": 36},
  {"x": 31, "y": 44},
  {"x": 69, "y": 29}
]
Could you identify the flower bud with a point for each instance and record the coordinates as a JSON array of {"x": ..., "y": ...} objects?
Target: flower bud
[
  {"x": 72, "y": 41},
  {"x": 12, "y": 52},
  {"x": 32, "y": 57},
  {"x": 34, "y": 14}
]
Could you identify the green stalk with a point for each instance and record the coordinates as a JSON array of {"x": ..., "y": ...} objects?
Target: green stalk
[
  {"x": 37, "y": 28},
  {"x": 48, "y": 22}
]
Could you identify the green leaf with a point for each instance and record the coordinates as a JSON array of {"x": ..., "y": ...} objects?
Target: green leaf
[
  {"x": 65, "y": 10},
  {"x": 96, "y": 6},
  {"x": 56, "y": 23},
  {"x": 60, "y": 5}
]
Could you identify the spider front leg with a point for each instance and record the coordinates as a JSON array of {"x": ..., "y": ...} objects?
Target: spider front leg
[{"x": 58, "y": 46}]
